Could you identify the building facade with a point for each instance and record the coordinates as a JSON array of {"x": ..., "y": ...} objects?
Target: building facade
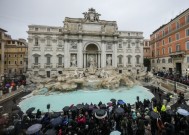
[
  {"x": 82, "y": 43},
  {"x": 146, "y": 49},
  {"x": 170, "y": 45},
  {"x": 13, "y": 56}
]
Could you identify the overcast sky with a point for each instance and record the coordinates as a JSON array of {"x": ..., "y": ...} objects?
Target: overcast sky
[{"x": 132, "y": 15}]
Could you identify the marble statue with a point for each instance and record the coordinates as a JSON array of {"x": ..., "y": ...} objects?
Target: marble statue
[
  {"x": 91, "y": 61},
  {"x": 109, "y": 60},
  {"x": 73, "y": 62}
]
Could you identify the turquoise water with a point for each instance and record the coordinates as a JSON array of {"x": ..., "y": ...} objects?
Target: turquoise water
[{"x": 59, "y": 100}]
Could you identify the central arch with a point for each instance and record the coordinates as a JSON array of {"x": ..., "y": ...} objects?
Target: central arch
[{"x": 91, "y": 56}]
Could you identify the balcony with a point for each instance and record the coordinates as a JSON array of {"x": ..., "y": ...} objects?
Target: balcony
[
  {"x": 129, "y": 65},
  {"x": 177, "y": 54},
  {"x": 137, "y": 50},
  {"x": 36, "y": 65},
  {"x": 138, "y": 65},
  {"x": 120, "y": 65},
  {"x": 36, "y": 48},
  {"x": 59, "y": 65},
  {"x": 48, "y": 65}
]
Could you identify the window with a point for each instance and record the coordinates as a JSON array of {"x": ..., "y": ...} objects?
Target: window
[
  {"x": 163, "y": 33},
  {"x": 120, "y": 45},
  {"x": 21, "y": 55},
  {"x": 59, "y": 60},
  {"x": 20, "y": 62},
  {"x": 120, "y": 59},
  {"x": 163, "y": 51},
  {"x": 20, "y": 71},
  {"x": 48, "y": 60},
  {"x": 129, "y": 59},
  {"x": 36, "y": 60},
  {"x": 129, "y": 45},
  {"x": 9, "y": 55},
  {"x": 169, "y": 28},
  {"x": 14, "y": 55},
  {"x": 36, "y": 29},
  {"x": 152, "y": 61},
  {"x": 170, "y": 39},
  {"x": 158, "y": 52},
  {"x": 36, "y": 42},
  {"x": 5, "y": 62},
  {"x": 9, "y": 70},
  {"x": 177, "y": 36},
  {"x": 137, "y": 45},
  {"x": 128, "y": 34},
  {"x": 187, "y": 32},
  {"x": 177, "y": 24},
  {"x": 137, "y": 59},
  {"x": 163, "y": 60},
  {"x": 187, "y": 18},
  {"x": 60, "y": 30},
  {"x": 5, "y": 55},
  {"x": 15, "y": 62},
  {"x": 177, "y": 47},
  {"x": 48, "y": 29},
  {"x": 170, "y": 60},
  {"x": 163, "y": 42},
  {"x": 187, "y": 59},
  {"x": 170, "y": 50},
  {"x": 187, "y": 45}
]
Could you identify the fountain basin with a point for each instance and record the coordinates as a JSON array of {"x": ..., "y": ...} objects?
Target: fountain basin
[{"x": 59, "y": 100}]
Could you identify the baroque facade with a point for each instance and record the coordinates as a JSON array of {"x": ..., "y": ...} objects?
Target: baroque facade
[
  {"x": 82, "y": 43},
  {"x": 170, "y": 46}
]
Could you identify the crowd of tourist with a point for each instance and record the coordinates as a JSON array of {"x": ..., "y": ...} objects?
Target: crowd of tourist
[
  {"x": 144, "y": 118},
  {"x": 12, "y": 84},
  {"x": 174, "y": 77}
]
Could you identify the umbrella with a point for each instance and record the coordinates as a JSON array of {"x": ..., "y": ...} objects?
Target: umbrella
[
  {"x": 109, "y": 104},
  {"x": 113, "y": 100},
  {"x": 66, "y": 108},
  {"x": 80, "y": 106},
  {"x": 57, "y": 121},
  {"x": 115, "y": 133},
  {"x": 33, "y": 129},
  {"x": 119, "y": 111},
  {"x": 86, "y": 106},
  {"x": 7, "y": 85},
  {"x": 103, "y": 106},
  {"x": 55, "y": 114},
  {"x": 30, "y": 110},
  {"x": 91, "y": 107},
  {"x": 73, "y": 109},
  {"x": 183, "y": 112},
  {"x": 184, "y": 106},
  {"x": 50, "y": 132},
  {"x": 100, "y": 114},
  {"x": 121, "y": 102},
  {"x": 154, "y": 115},
  {"x": 170, "y": 112}
]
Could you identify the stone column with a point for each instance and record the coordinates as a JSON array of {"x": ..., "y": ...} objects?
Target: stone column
[
  {"x": 114, "y": 60},
  {"x": 103, "y": 56},
  {"x": 84, "y": 59},
  {"x": 99, "y": 60},
  {"x": 80, "y": 56},
  {"x": 66, "y": 55}
]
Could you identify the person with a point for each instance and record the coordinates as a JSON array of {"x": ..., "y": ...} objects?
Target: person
[
  {"x": 38, "y": 114},
  {"x": 109, "y": 59}
]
